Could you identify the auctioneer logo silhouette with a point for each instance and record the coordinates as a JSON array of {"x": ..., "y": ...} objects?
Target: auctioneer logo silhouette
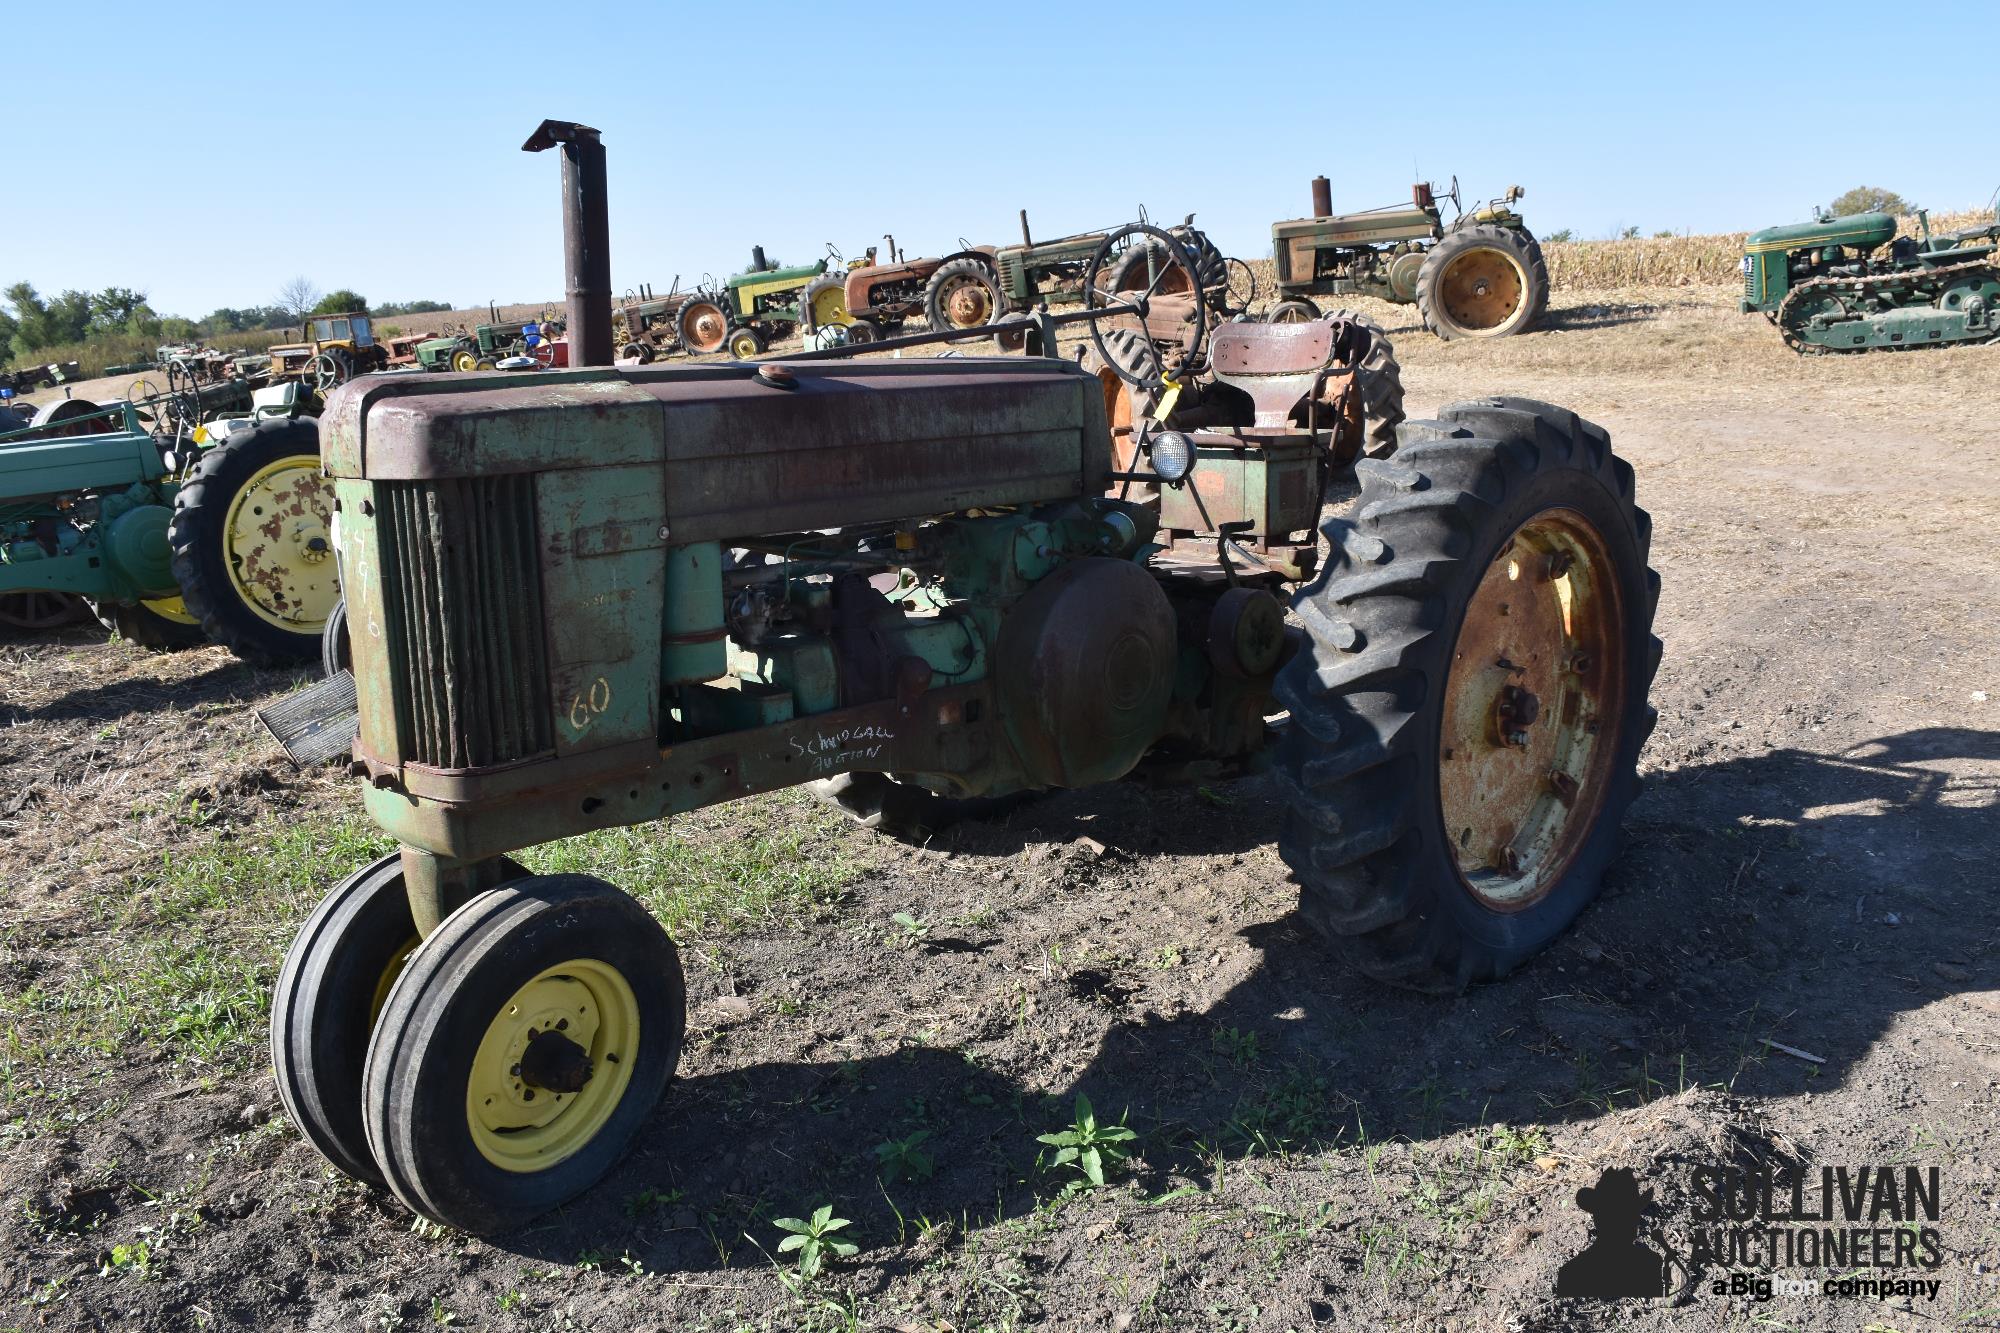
[{"x": 1615, "y": 1264}]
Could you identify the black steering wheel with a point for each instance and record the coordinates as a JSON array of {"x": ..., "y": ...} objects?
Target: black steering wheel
[{"x": 1170, "y": 252}]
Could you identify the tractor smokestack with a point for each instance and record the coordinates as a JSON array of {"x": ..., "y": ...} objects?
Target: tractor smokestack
[
  {"x": 1322, "y": 197},
  {"x": 757, "y": 261},
  {"x": 586, "y": 236}
]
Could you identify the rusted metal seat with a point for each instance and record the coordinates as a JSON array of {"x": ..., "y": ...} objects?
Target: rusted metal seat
[{"x": 1280, "y": 365}]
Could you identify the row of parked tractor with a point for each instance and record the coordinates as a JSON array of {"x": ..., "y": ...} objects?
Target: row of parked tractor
[{"x": 1477, "y": 274}]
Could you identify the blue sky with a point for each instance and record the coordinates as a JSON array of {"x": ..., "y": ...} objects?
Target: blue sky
[{"x": 377, "y": 147}]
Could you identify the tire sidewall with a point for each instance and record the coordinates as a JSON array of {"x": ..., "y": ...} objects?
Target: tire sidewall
[{"x": 320, "y": 1029}]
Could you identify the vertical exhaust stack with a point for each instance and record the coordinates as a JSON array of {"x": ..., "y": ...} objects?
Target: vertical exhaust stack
[
  {"x": 1322, "y": 197},
  {"x": 586, "y": 236}
]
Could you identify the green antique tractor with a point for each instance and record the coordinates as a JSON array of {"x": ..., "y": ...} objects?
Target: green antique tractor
[
  {"x": 1464, "y": 696},
  {"x": 602, "y": 596},
  {"x": 752, "y": 310},
  {"x": 994, "y": 284},
  {"x": 1850, "y": 284},
  {"x": 484, "y": 346},
  {"x": 1481, "y": 275},
  {"x": 175, "y": 533}
]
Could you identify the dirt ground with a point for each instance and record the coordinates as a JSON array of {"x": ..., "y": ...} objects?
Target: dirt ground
[{"x": 1812, "y": 864}]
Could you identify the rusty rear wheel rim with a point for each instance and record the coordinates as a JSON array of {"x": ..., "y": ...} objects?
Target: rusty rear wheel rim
[
  {"x": 703, "y": 326},
  {"x": 1532, "y": 705},
  {"x": 966, "y": 302},
  {"x": 1483, "y": 289}
]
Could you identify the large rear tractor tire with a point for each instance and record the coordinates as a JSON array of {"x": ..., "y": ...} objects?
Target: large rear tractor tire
[
  {"x": 963, "y": 294},
  {"x": 703, "y": 326},
  {"x": 162, "y": 625},
  {"x": 525, "y": 1044},
  {"x": 1468, "y": 708},
  {"x": 1133, "y": 360},
  {"x": 252, "y": 550},
  {"x": 40, "y": 612},
  {"x": 1381, "y": 379},
  {"x": 1483, "y": 281}
]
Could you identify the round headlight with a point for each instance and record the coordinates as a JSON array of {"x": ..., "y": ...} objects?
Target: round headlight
[{"x": 1172, "y": 454}]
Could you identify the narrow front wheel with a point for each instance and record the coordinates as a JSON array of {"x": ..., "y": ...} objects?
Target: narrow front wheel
[{"x": 526, "y": 1043}]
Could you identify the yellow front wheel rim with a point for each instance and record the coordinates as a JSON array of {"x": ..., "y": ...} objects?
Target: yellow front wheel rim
[
  {"x": 279, "y": 545},
  {"x": 170, "y": 608},
  {"x": 576, "y": 1016},
  {"x": 387, "y": 981}
]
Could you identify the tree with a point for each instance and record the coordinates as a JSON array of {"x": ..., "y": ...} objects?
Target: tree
[
  {"x": 411, "y": 307},
  {"x": 43, "y": 323},
  {"x": 121, "y": 310},
  {"x": 1870, "y": 199},
  {"x": 340, "y": 302},
  {"x": 297, "y": 298}
]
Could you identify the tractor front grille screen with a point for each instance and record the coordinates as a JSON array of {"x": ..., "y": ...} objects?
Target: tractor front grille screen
[{"x": 462, "y": 590}]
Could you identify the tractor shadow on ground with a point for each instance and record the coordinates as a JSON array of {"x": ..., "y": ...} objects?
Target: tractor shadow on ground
[
  {"x": 1584, "y": 318},
  {"x": 1748, "y": 883},
  {"x": 228, "y": 682}
]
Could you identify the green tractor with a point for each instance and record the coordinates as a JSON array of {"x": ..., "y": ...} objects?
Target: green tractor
[
  {"x": 1481, "y": 275},
  {"x": 989, "y": 284},
  {"x": 753, "y": 309},
  {"x": 175, "y": 534},
  {"x": 484, "y": 346},
  {"x": 1851, "y": 284}
]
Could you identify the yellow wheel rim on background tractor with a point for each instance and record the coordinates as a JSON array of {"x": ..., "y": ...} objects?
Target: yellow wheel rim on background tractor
[
  {"x": 279, "y": 546},
  {"x": 830, "y": 307},
  {"x": 1482, "y": 289},
  {"x": 553, "y": 1065},
  {"x": 170, "y": 608},
  {"x": 464, "y": 361},
  {"x": 1531, "y": 708}
]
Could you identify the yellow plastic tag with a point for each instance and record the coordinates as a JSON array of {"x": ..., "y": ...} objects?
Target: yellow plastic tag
[{"x": 1167, "y": 401}]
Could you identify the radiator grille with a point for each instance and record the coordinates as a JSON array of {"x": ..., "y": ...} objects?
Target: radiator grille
[{"x": 462, "y": 590}]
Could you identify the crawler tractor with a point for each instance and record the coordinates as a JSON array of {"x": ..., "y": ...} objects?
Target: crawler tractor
[
  {"x": 1479, "y": 276},
  {"x": 1850, "y": 284},
  {"x": 600, "y": 597}
]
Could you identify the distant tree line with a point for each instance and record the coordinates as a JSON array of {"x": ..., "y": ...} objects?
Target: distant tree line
[{"x": 31, "y": 322}]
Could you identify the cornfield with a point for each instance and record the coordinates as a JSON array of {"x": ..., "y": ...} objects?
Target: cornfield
[{"x": 1660, "y": 261}]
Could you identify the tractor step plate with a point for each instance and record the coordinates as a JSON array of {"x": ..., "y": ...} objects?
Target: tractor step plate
[{"x": 318, "y": 723}]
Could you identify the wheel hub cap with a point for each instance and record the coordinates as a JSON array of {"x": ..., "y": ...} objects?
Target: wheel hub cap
[{"x": 553, "y": 1065}]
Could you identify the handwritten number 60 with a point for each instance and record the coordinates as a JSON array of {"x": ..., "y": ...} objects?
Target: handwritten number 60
[{"x": 587, "y": 705}]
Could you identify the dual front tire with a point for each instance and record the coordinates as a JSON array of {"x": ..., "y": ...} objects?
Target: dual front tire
[{"x": 492, "y": 1070}]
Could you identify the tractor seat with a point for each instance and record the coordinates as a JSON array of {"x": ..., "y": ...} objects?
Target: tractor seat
[{"x": 1277, "y": 365}]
